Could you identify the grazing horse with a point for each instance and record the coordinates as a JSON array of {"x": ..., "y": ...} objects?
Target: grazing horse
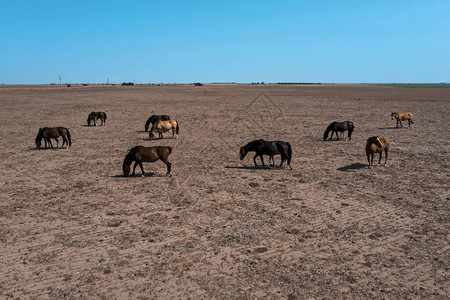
[
  {"x": 374, "y": 145},
  {"x": 161, "y": 126},
  {"x": 48, "y": 133},
  {"x": 336, "y": 127},
  {"x": 155, "y": 118},
  {"x": 262, "y": 147},
  {"x": 93, "y": 116},
  {"x": 402, "y": 117},
  {"x": 141, "y": 154}
]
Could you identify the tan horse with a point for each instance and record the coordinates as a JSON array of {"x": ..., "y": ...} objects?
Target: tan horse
[
  {"x": 374, "y": 145},
  {"x": 161, "y": 126},
  {"x": 402, "y": 117},
  {"x": 141, "y": 154}
]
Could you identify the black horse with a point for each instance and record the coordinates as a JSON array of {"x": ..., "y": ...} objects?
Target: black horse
[
  {"x": 336, "y": 127},
  {"x": 262, "y": 147},
  {"x": 155, "y": 118}
]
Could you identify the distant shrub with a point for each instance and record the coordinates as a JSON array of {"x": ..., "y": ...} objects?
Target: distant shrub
[
  {"x": 198, "y": 84},
  {"x": 84, "y": 84},
  {"x": 127, "y": 83},
  {"x": 69, "y": 85}
]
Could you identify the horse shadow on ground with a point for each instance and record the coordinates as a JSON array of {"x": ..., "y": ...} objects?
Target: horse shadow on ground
[
  {"x": 45, "y": 149},
  {"x": 352, "y": 167},
  {"x": 252, "y": 167},
  {"x": 148, "y": 174},
  {"x": 335, "y": 140}
]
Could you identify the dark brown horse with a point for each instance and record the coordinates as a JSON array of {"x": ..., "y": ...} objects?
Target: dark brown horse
[
  {"x": 374, "y": 145},
  {"x": 152, "y": 120},
  {"x": 336, "y": 127},
  {"x": 262, "y": 147},
  {"x": 96, "y": 115},
  {"x": 48, "y": 133},
  {"x": 141, "y": 154}
]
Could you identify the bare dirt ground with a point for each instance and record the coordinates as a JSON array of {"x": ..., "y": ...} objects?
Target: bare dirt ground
[{"x": 71, "y": 227}]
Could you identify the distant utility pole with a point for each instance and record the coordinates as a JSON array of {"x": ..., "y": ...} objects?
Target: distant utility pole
[
  {"x": 59, "y": 80},
  {"x": 107, "y": 81}
]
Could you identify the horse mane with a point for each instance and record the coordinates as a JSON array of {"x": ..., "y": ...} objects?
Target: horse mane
[
  {"x": 372, "y": 138},
  {"x": 130, "y": 156},
  {"x": 40, "y": 134},
  {"x": 250, "y": 144},
  {"x": 327, "y": 131}
]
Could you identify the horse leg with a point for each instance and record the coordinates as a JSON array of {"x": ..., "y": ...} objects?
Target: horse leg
[
  {"x": 282, "y": 160},
  {"x": 57, "y": 143},
  {"x": 169, "y": 165},
  {"x": 368, "y": 160},
  {"x": 142, "y": 168},
  {"x": 379, "y": 161},
  {"x": 386, "y": 154},
  {"x": 254, "y": 159},
  {"x": 134, "y": 168},
  {"x": 262, "y": 160},
  {"x": 50, "y": 143}
]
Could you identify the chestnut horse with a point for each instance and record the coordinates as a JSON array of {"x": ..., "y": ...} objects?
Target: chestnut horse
[
  {"x": 48, "y": 133},
  {"x": 161, "y": 126},
  {"x": 374, "y": 145},
  {"x": 402, "y": 117},
  {"x": 141, "y": 154},
  {"x": 95, "y": 115}
]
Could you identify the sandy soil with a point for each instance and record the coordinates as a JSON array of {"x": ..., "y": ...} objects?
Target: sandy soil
[{"x": 71, "y": 227}]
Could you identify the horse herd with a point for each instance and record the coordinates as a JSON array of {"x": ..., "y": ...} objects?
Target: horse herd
[{"x": 163, "y": 123}]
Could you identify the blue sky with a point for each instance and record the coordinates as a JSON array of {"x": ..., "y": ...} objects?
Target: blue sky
[{"x": 223, "y": 41}]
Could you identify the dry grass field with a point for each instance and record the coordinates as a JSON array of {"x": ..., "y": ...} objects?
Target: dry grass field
[{"x": 71, "y": 227}]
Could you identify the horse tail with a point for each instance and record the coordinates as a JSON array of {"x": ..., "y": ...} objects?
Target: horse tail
[
  {"x": 69, "y": 138},
  {"x": 178, "y": 128},
  {"x": 170, "y": 149},
  {"x": 329, "y": 128},
  {"x": 147, "y": 124},
  {"x": 289, "y": 154},
  {"x": 105, "y": 117}
]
